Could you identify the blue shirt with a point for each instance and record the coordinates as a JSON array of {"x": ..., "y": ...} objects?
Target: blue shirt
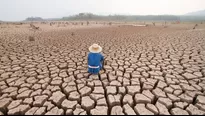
[{"x": 95, "y": 59}]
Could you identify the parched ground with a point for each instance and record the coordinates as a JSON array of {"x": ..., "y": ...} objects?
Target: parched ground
[{"x": 148, "y": 70}]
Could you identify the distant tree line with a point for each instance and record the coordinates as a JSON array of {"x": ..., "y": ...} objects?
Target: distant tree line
[{"x": 90, "y": 17}]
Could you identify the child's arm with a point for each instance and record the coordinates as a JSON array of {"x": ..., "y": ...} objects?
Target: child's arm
[
  {"x": 102, "y": 58},
  {"x": 88, "y": 58},
  {"x": 102, "y": 61}
]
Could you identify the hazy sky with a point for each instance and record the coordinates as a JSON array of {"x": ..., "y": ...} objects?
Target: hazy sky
[{"x": 13, "y": 10}]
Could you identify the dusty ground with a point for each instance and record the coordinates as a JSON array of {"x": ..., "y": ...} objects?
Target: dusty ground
[{"x": 148, "y": 70}]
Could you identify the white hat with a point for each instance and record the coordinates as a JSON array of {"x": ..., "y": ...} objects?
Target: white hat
[{"x": 95, "y": 48}]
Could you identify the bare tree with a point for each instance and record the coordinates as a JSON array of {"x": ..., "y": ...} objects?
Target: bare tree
[
  {"x": 34, "y": 27},
  {"x": 195, "y": 26}
]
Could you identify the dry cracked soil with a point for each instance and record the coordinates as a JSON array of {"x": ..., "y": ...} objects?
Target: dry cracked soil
[{"x": 148, "y": 70}]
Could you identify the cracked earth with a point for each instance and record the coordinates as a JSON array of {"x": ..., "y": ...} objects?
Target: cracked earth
[{"x": 148, "y": 70}]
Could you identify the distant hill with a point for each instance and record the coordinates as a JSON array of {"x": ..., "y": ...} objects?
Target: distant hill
[
  {"x": 197, "y": 13},
  {"x": 41, "y": 19},
  {"x": 34, "y": 19}
]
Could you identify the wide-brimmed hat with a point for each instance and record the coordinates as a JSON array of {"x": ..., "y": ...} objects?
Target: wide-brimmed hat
[{"x": 95, "y": 48}]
